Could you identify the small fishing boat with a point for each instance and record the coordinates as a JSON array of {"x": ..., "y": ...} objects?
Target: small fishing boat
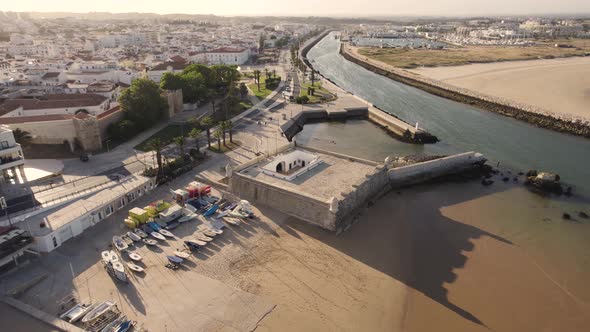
[
  {"x": 203, "y": 237},
  {"x": 97, "y": 311},
  {"x": 187, "y": 217},
  {"x": 109, "y": 256},
  {"x": 171, "y": 225},
  {"x": 232, "y": 221},
  {"x": 154, "y": 226},
  {"x": 134, "y": 256},
  {"x": 209, "y": 233},
  {"x": 77, "y": 312},
  {"x": 124, "y": 326},
  {"x": 214, "y": 230},
  {"x": 150, "y": 242},
  {"x": 133, "y": 236},
  {"x": 141, "y": 233},
  {"x": 166, "y": 233},
  {"x": 191, "y": 245},
  {"x": 119, "y": 243},
  {"x": 158, "y": 236},
  {"x": 134, "y": 267},
  {"x": 112, "y": 325},
  {"x": 127, "y": 240},
  {"x": 174, "y": 259},
  {"x": 211, "y": 210},
  {"x": 118, "y": 267},
  {"x": 182, "y": 254}
]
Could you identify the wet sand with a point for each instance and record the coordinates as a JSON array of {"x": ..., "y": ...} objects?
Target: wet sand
[
  {"x": 447, "y": 256},
  {"x": 556, "y": 85}
]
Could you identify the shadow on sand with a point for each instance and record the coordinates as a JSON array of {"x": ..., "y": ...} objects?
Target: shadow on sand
[{"x": 427, "y": 246}]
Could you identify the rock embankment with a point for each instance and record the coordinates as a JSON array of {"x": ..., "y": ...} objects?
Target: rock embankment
[{"x": 526, "y": 113}]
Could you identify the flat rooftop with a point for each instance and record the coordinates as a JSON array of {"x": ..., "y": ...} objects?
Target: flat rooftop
[{"x": 330, "y": 178}]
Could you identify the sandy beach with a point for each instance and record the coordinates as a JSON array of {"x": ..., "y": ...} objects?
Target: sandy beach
[
  {"x": 556, "y": 85},
  {"x": 458, "y": 255}
]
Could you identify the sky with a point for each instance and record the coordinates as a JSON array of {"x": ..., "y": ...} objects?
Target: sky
[{"x": 350, "y": 8}]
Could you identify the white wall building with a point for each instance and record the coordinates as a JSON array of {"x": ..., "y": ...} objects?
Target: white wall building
[
  {"x": 228, "y": 56},
  {"x": 52, "y": 228},
  {"x": 11, "y": 155}
]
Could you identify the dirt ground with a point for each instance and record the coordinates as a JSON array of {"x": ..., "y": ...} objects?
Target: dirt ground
[{"x": 413, "y": 58}]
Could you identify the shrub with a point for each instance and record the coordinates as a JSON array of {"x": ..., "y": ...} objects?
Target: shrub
[{"x": 302, "y": 100}]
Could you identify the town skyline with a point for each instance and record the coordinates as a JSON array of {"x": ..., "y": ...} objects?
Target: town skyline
[{"x": 375, "y": 8}]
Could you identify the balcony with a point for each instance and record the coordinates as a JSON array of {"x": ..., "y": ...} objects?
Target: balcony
[{"x": 9, "y": 162}]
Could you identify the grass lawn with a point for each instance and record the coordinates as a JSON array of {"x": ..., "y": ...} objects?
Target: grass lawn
[
  {"x": 224, "y": 148},
  {"x": 166, "y": 135},
  {"x": 412, "y": 58},
  {"x": 264, "y": 92},
  {"x": 319, "y": 92}
]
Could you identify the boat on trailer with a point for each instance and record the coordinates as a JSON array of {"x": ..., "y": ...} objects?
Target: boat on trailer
[
  {"x": 119, "y": 243},
  {"x": 135, "y": 267},
  {"x": 77, "y": 312},
  {"x": 109, "y": 256},
  {"x": 140, "y": 232},
  {"x": 182, "y": 254},
  {"x": 203, "y": 237},
  {"x": 133, "y": 236},
  {"x": 150, "y": 242},
  {"x": 165, "y": 233},
  {"x": 134, "y": 256},
  {"x": 97, "y": 311},
  {"x": 158, "y": 236}
]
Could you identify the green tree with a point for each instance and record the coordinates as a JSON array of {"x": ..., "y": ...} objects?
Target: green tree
[
  {"x": 179, "y": 141},
  {"x": 207, "y": 122},
  {"x": 243, "y": 90},
  {"x": 267, "y": 73},
  {"x": 142, "y": 103},
  {"x": 195, "y": 88},
  {"x": 218, "y": 134},
  {"x": 196, "y": 135},
  {"x": 229, "y": 126},
  {"x": 22, "y": 137},
  {"x": 261, "y": 43},
  {"x": 156, "y": 145},
  {"x": 171, "y": 81},
  {"x": 312, "y": 76}
]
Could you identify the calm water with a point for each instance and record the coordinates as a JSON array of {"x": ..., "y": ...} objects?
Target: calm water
[
  {"x": 396, "y": 42},
  {"x": 459, "y": 127}
]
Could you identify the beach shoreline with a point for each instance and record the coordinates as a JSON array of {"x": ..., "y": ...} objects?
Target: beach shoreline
[{"x": 527, "y": 113}]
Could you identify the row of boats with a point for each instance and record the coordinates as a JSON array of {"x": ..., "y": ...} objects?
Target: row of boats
[
  {"x": 99, "y": 317},
  {"x": 155, "y": 230}
]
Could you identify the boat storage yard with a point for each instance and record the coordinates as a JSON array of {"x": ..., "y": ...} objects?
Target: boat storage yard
[{"x": 145, "y": 267}]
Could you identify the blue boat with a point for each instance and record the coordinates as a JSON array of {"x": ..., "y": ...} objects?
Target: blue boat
[
  {"x": 154, "y": 226},
  {"x": 174, "y": 259},
  {"x": 211, "y": 210},
  {"x": 124, "y": 327}
]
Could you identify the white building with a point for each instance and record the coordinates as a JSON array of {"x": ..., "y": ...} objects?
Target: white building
[
  {"x": 52, "y": 228},
  {"x": 11, "y": 156},
  {"x": 228, "y": 56},
  {"x": 290, "y": 165}
]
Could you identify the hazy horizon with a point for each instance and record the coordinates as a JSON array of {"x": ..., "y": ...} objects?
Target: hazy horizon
[{"x": 346, "y": 8}]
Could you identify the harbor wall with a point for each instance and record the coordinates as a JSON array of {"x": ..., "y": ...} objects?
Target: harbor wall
[
  {"x": 428, "y": 170},
  {"x": 299, "y": 205},
  {"x": 386, "y": 121},
  {"x": 520, "y": 112},
  {"x": 353, "y": 202}
]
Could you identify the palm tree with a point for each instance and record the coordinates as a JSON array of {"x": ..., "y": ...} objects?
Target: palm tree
[
  {"x": 257, "y": 78},
  {"x": 229, "y": 126},
  {"x": 179, "y": 141},
  {"x": 312, "y": 76},
  {"x": 274, "y": 73},
  {"x": 222, "y": 127},
  {"x": 267, "y": 73},
  {"x": 218, "y": 134},
  {"x": 22, "y": 137},
  {"x": 196, "y": 134},
  {"x": 207, "y": 122},
  {"x": 156, "y": 145}
]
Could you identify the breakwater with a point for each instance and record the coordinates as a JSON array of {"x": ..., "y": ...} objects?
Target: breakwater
[
  {"x": 386, "y": 121},
  {"x": 517, "y": 111}
]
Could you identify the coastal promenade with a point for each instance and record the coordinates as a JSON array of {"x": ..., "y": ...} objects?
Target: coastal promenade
[{"x": 531, "y": 114}]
